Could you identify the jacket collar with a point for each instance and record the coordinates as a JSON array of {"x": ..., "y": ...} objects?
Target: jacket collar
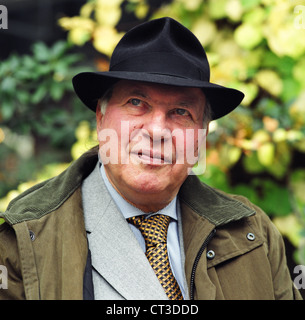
[
  {"x": 212, "y": 204},
  {"x": 49, "y": 195}
]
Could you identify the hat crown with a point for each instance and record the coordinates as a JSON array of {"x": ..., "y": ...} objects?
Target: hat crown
[{"x": 161, "y": 46}]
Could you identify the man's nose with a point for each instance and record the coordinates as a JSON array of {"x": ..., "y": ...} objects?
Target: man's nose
[{"x": 157, "y": 126}]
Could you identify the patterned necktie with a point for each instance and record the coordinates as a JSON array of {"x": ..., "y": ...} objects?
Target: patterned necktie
[{"x": 154, "y": 231}]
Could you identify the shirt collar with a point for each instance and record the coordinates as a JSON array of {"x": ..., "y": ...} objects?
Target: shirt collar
[{"x": 127, "y": 209}]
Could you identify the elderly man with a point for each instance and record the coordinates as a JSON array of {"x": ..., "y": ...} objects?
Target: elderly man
[{"x": 129, "y": 219}]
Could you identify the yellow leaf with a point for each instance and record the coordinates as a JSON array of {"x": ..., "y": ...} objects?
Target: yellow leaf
[
  {"x": 82, "y": 132},
  {"x": 247, "y": 144},
  {"x": 217, "y": 9},
  {"x": 86, "y": 139},
  {"x": 108, "y": 15},
  {"x": 141, "y": 10},
  {"x": 191, "y": 5},
  {"x": 270, "y": 81},
  {"x": 76, "y": 22},
  {"x": 228, "y": 70},
  {"x": 294, "y": 135},
  {"x": 261, "y": 136},
  {"x": 229, "y": 155},
  {"x": 248, "y": 36},
  {"x": 65, "y": 23},
  {"x": 79, "y": 36},
  {"x": 279, "y": 135},
  {"x": 2, "y": 135},
  {"x": 213, "y": 58},
  {"x": 297, "y": 109},
  {"x": 113, "y": 3},
  {"x": 87, "y": 9},
  {"x": 234, "y": 10},
  {"x": 166, "y": 11},
  {"x": 234, "y": 154},
  {"x": 287, "y": 41},
  {"x": 249, "y": 89},
  {"x": 9, "y": 197},
  {"x": 255, "y": 16},
  {"x": 225, "y": 45},
  {"x": 280, "y": 31},
  {"x": 265, "y": 154},
  {"x": 290, "y": 227},
  {"x": 204, "y": 30},
  {"x": 105, "y": 39}
]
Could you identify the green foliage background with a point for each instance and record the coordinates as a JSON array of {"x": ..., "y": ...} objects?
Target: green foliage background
[{"x": 256, "y": 46}]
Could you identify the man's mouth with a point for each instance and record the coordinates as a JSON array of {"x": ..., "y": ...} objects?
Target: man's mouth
[{"x": 152, "y": 157}]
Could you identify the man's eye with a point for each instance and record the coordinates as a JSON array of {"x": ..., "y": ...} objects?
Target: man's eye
[
  {"x": 182, "y": 112},
  {"x": 135, "y": 102}
]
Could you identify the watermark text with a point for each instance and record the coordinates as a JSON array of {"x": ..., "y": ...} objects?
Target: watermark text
[
  {"x": 3, "y": 277},
  {"x": 299, "y": 20},
  {"x": 299, "y": 280},
  {"x": 157, "y": 147},
  {"x": 3, "y": 17}
]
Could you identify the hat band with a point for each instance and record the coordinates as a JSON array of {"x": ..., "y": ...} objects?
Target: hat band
[{"x": 162, "y": 63}]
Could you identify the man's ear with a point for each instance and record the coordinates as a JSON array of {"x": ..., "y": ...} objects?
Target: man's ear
[{"x": 99, "y": 118}]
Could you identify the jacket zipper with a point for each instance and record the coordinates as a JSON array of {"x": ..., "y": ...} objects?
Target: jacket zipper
[{"x": 199, "y": 254}]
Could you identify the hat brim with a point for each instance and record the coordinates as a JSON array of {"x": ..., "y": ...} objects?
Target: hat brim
[{"x": 91, "y": 86}]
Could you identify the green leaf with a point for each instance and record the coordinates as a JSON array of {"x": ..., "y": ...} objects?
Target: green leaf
[
  {"x": 59, "y": 49},
  {"x": 44, "y": 69},
  {"x": 39, "y": 94},
  {"x": 23, "y": 96},
  {"x": 28, "y": 62},
  {"x": 8, "y": 85},
  {"x": 247, "y": 191},
  {"x": 41, "y": 52},
  {"x": 249, "y": 4},
  {"x": 281, "y": 161},
  {"x": 291, "y": 89},
  {"x": 216, "y": 178},
  {"x": 251, "y": 164},
  {"x": 56, "y": 91},
  {"x": 12, "y": 64},
  {"x": 276, "y": 199},
  {"x": 7, "y": 110}
]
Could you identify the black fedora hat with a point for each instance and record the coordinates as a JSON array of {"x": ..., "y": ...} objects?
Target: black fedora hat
[{"x": 159, "y": 51}]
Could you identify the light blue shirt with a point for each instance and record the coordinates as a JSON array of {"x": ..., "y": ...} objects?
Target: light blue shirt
[{"x": 173, "y": 246}]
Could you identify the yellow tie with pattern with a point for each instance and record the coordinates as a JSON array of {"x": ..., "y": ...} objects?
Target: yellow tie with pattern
[{"x": 154, "y": 231}]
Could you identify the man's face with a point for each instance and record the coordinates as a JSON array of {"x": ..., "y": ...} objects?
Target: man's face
[{"x": 148, "y": 138}]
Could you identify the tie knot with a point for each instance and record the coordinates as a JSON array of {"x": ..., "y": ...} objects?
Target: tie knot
[{"x": 153, "y": 229}]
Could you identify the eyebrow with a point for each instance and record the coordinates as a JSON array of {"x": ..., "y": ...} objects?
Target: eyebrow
[
  {"x": 184, "y": 102},
  {"x": 139, "y": 93}
]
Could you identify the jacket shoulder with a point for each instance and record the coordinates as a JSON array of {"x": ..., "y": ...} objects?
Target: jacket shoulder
[
  {"x": 260, "y": 218},
  {"x": 48, "y": 195}
]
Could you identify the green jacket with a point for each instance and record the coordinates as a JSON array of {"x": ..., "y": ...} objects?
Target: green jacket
[{"x": 44, "y": 247}]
